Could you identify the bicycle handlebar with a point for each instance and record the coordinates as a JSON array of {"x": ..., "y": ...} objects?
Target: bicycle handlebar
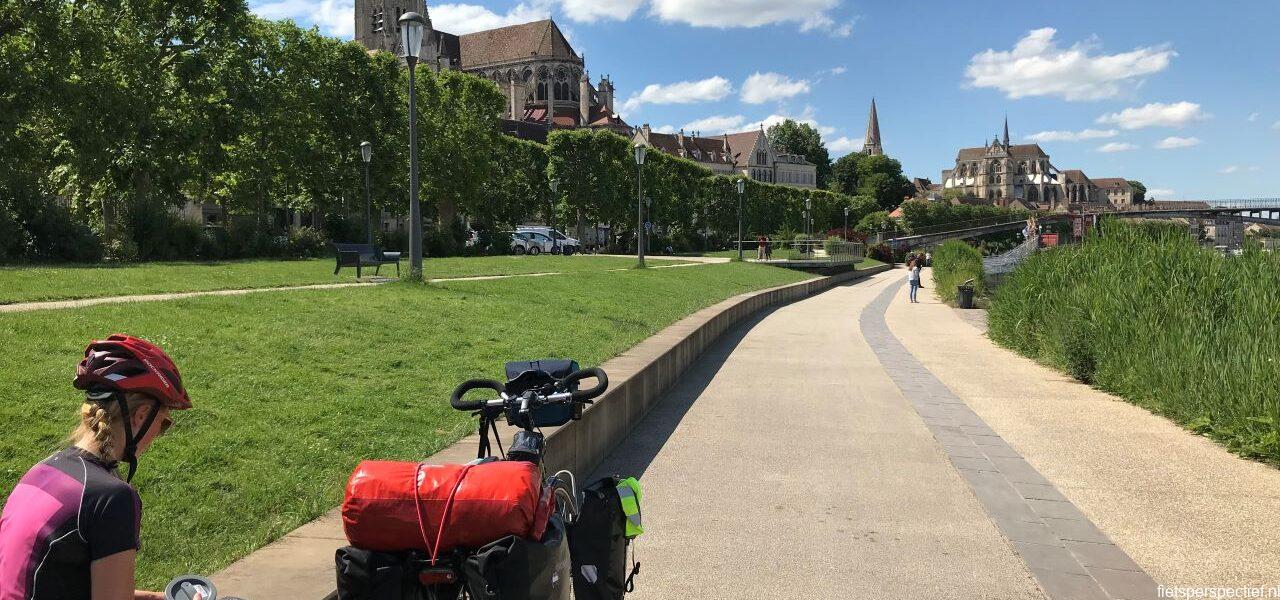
[
  {"x": 602, "y": 383},
  {"x": 474, "y": 384}
]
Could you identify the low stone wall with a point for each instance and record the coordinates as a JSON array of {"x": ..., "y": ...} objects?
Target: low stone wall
[{"x": 300, "y": 565}]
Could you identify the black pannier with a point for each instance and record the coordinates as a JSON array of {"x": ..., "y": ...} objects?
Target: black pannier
[
  {"x": 368, "y": 575},
  {"x": 515, "y": 568},
  {"x": 598, "y": 544}
]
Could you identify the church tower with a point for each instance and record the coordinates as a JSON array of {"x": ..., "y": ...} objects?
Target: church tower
[
  {"x": 871, "y": 143},
  {"x": 377, "y": 23}
]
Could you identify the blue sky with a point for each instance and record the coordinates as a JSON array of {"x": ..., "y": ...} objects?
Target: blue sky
[{"x": 1183, "y": 96}]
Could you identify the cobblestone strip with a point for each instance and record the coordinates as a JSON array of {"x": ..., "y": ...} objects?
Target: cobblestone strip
[{"x": 1068, "y": 555}]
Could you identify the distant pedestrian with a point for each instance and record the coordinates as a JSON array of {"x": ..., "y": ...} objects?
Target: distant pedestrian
[
  {"x": 913, "y": 277},
  {"x": 759, "y": 247},
  {"x": 768, "y": 248}
]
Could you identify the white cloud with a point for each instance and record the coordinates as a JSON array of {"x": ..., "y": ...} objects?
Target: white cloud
[
  {"x": 1253, "y": 117},
  {"x": 460, "y": 19},
  {"x": 837, "y": 70},
  {"x": 764, "y": 87},
  {"x": 1036, "y": 66},
  {"x": 590, "y": 11},
  {"x": 1117, "y": 147},
  {"x": 811, "y": 15},
  {"x": 716, "y": 124},
  {"x": 1174, "y": 141},
  {"x": 665, "y": 129},
  {"x": 1156, "y": 114},
  {"x": 1159, "y": 193},
  {"x": 333, "y": 17},
  {"x": 684, "y": 92},
  {"x": 844, "y": 145},
  {"x": 1072, "y": 136},
  {"x": 1276, "y": 125},
  {"x": 1229, "y": 169}
]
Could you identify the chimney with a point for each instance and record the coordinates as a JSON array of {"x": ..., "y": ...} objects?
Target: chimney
[
  {"x": 584, "y": 99},
  {"x": 644, "y": 132}
]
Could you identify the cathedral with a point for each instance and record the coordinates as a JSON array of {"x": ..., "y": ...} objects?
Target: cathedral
[
  {"x": 544, "y": 80},
  {"x": 1021, "y": 175}
]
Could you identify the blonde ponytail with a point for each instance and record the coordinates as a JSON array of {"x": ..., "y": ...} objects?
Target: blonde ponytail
[{"x": 97, "y": 430}]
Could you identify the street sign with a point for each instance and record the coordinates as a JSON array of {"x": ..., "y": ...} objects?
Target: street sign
[{"x": 1049, "y": 239}]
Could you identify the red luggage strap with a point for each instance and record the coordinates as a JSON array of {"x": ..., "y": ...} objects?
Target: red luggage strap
[{"x": 417, "y": 501}]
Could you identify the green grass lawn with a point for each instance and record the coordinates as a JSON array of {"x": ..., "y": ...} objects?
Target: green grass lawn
[
  {"x": 292, "y": 389},
  {"x": 36, "y": 283}
]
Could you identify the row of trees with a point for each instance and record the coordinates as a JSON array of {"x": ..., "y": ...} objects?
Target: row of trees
[{"x": 115, "y": 113}]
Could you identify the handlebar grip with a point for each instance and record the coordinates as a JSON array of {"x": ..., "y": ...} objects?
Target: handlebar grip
[
  {"x": 602, "y": 383},
  {"x": 473, "y": 384}
]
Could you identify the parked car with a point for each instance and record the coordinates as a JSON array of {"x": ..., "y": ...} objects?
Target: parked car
[
  {"x": 562, "y": 244},
  {"x": 530, "y": 242}
]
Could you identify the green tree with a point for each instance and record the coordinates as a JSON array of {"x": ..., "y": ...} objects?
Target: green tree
[
  {"x": 880, "y": 177},
  {"x": 1139, "y": 191},
  {"x": 844, "y": 174},
  {"x": 802, "y": 138}
]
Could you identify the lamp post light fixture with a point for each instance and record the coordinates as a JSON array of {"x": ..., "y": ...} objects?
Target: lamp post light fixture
[
  {"x": 551, "y": 216},
  {"x": 742, "y": 189},
  {"x": 411, "y": 26},
  {"x": 846, "y": 223},
  {"x": 640, "y": 150},
  {"x": 366, "y": 153},
  {"x": 808, "y": 222}
]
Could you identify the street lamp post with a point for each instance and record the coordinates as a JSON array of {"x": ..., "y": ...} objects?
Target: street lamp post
[
  {"x": 846, "y": 223},
  {"x": 411, "y": 26},
  {"x": 742, "y": 188},
  {"x": 551, "y": 216},
  {"x": 366, "y": 152},
  {"x": 808, "y": 222},
  {"x": 640, "y": 152}
]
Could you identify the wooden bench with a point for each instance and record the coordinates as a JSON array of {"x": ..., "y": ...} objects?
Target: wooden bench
[{"x": 364, "y": 255}]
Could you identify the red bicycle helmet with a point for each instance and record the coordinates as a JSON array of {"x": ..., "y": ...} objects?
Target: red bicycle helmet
[{"x": 123, "y": 363}]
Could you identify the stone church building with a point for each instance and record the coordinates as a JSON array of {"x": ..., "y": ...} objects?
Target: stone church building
[
  {"x": 544, "y": 80},
  {"x": 747, "y": 153},
  {"x": 1007, "y": 174}
]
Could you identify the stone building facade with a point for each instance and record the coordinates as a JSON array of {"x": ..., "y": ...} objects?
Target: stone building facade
[
  {"x": 543, "y": 79},
  {"x": 1007, "y": 174},
  {"x": 747, "y": 153}
]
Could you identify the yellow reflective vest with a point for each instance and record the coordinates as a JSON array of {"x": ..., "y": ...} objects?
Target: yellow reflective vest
[{"x": 630, "y": 495}]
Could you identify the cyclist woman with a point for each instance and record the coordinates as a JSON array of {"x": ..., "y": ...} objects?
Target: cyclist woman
[{"x": 70, "y": 529}]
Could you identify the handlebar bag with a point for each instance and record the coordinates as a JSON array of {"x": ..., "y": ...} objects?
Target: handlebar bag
[
  {"x": 518, "y": 568},
  {"x": 394, "y": 506},
  {"x": 520, "y": 379}
]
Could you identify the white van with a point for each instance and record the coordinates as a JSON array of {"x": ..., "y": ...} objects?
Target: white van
[{"x": 561, "y": 243}]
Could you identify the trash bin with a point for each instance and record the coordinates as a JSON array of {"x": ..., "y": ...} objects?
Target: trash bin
[{"x": 964, "y": 294}]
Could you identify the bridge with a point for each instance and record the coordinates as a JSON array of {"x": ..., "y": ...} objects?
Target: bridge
[{"x": 1264, "y": 211}]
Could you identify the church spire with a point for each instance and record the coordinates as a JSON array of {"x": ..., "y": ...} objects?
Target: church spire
[
  {"x": 1006, "y": 132},
  {"x": 871, "y": 143}
]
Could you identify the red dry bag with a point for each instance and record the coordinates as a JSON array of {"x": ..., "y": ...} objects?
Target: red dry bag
[{"x": 394, "y": 506}]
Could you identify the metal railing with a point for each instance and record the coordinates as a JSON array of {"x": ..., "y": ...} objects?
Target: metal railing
[{"x": 809, "y": 251}]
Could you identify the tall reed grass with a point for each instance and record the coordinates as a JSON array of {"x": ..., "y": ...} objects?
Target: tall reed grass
[
  {"x": 954, "y": 262},
  {"x": 1142, "y": 311}
]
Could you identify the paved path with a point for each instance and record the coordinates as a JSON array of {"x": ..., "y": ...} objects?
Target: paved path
[
  {"x": 787, "y": 464},
  {"x": 1187, "y": 511},
  {"x": 61, "y": 304}
]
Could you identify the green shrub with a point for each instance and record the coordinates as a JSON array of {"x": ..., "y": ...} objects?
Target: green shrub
[
  {"x": 832, "y": 245},
  {"x": 307, "y": 242},
  {"x": 1146, "y": 313},
  {"x": 955, "y": 262}
]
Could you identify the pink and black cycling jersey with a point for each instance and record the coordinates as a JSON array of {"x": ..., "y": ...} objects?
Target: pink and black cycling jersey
[{"x": 66, "y": 512}]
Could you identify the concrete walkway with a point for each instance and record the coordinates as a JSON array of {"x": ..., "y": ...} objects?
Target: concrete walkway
[
  {"x": 1184, "y": 509},
  {"x": 786, "y": 463}
]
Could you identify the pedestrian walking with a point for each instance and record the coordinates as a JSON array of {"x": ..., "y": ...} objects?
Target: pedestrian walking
[
  {"x": 913, "y": 277},
  {"x": 768, "y": 248},
  {"x": 759, "y": 247}
]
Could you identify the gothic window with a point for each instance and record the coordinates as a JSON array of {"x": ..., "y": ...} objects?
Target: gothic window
[
  {"x": 1022, "y": 168},
  {"x": 997, "y": 179},
  {"x": 542, "y": 90},
  {"x": 762, "y": 157}
]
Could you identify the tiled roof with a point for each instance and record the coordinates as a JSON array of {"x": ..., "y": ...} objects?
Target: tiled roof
[
  {"x": 514, "y": 43},
  {"x": 1015, "y": 150},
  {"x": 1076, "y": 176},
  {"x": 710, "y": 149},
  {"x": 742, "y": 144},
  {"x": 1119, "y": 183}
]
